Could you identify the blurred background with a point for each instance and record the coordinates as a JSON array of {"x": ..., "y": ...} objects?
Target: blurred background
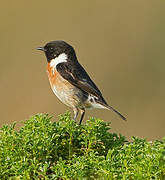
[{"x": 120, "y": 44}]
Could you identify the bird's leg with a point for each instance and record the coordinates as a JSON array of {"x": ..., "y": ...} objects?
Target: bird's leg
[
  {"x": 82, "y": 115},
  {"x": 75, "y": 111}
]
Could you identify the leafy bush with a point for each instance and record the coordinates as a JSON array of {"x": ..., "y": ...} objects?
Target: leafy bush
[{"x": 42, "y": 149}]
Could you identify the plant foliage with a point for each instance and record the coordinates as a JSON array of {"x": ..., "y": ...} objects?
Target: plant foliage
[{"x": 42, "y": 149}]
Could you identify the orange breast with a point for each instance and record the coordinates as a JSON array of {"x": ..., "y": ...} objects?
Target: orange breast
[
  {"x": 56, "y": 79},
  {"x": 64, "y": 90},
  {"x": 52, "y": 74}
]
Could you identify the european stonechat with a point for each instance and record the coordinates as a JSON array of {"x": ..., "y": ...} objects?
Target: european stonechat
[{"x": 69, "y": 80}]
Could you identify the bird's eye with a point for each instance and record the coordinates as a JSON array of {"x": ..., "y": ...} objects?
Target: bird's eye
[{"x": 51, "y": 49}]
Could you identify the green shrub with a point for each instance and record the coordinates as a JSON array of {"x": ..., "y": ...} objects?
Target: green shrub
[{"x": 42, "y": 149}]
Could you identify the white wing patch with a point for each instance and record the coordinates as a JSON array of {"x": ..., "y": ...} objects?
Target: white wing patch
[
  {"x": 60, "y": 59},
  {"x": 92, "y": 100}
]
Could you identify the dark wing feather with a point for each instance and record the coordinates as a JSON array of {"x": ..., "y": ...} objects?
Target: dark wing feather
[{"x": 77, "y": 76}]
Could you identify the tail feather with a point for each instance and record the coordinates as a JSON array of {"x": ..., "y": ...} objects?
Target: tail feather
[
  {"x": 102, "y": 102},
  {"x": 114, "y": 110},
  {"x": 111, "y": 108}
]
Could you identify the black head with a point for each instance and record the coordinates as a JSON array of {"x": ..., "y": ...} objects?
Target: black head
[{"x": 54, "y": 48}]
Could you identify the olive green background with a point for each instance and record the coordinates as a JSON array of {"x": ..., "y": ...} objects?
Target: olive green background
[{"x": 121, "y": 44}]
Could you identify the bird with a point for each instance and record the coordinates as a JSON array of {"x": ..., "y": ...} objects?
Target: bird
[{"x": 70, "y": 82}]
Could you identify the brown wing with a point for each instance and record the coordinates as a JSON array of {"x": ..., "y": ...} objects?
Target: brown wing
[{"x": 78, "y": 77}]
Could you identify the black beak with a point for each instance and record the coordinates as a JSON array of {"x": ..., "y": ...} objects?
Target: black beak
[{"x": 41, "y": 48}]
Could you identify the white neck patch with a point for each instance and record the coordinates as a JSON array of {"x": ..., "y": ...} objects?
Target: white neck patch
[{"x": 60, "y": 59}]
